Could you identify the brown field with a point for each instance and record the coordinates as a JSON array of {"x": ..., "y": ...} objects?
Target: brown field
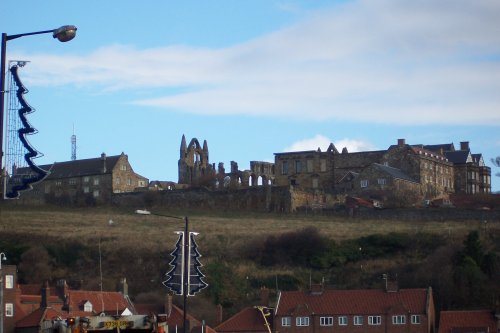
[{"x": 142, "y": 231}]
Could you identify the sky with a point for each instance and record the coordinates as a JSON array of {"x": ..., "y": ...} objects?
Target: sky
[{"x": 259, "y": 77}]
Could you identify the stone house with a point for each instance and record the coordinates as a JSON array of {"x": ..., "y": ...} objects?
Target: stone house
[
  {"x": 86, "y": 181},
  {"x": 471, "y": 175},
  {"x": 320, "y": 311}
]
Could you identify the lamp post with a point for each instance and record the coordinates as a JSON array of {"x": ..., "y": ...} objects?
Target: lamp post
[
  {"x": 63, "y": 34},
  {"x": 2, "y": 310},
  {"x": 185, "y": 245}
]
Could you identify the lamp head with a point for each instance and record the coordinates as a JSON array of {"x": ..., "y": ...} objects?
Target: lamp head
[
  {"x": 65, "y": 33},
  {"x": 3, "y": 256}
]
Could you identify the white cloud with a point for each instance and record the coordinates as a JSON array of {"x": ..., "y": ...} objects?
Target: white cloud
[
  {"x": 389, "y": 61},
  {"x": 322, "y": 142},
  {"x": 319, "y": 141}
]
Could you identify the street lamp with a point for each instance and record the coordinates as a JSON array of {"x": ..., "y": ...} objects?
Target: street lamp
[
  {"x": 2, "y": 310},
  {"x": 63, "y": 34},
  {"x": 186, "y": 289}
]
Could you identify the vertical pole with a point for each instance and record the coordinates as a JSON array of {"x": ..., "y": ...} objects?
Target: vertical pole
[
  {"x": 1, "y": 300},
  {"x": 2, "y": 309},
  {"x": 2, "y": 99},
  {"x": 185, "y": 283}
]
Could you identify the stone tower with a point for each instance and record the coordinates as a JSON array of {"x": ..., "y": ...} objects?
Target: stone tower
[{"x": 193, "y": 162}]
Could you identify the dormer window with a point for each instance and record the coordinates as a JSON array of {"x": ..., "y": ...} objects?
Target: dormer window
[{"x": 87, "y": 307}]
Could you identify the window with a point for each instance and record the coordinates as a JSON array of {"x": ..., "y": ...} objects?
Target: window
[
  {"x": 47, "y": 189},
  {"x": 129, "y": 181},
  {"x": 382, "y": 181},
  {"x": 58, "y": 183},
  {"x": 9, "y": 281},
  {"x": 284, "y": 168},
  {"x": 96, "y": 181},
  {"x": 399, "y": 319},
  {"x": 302, "y": 321},
  {"x": 326, "y": 321},
  {"x": 298, "y": 166},
  {"x": 322, "y": 165},
  {"x": 9, "y": 310},
  {"x": 86, "y": 189},
  {"x": 142, "y": 183},
  {"x": 374, "y": 320},
  {"x": 72, "y": 181},
  {"x": 286, "y": 321},
  {"x": 87, "y": 307},
  {"x": 96, "y": 193},
  {"x": 343, "y": 320},
  {"x": 415, "y": 319},
  {"x": 309, "y": 165},
  {"x": 315, "y": 182},
  {"x": 86, "y": 179},
  {"x": 364, "y": 183},
  {"x": 123, "y": 167},
  {"x": 118, "y": 180},
  {"x": 358, "y": 320}
]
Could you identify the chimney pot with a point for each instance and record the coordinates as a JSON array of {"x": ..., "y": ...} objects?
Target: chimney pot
[
  {"x": 219, "y": 314},
  {"x": 464, "y": 145},
  {"x": 401, "y": 142}
]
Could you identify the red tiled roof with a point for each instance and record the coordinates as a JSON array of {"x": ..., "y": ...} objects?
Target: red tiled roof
[
  {"x": 108, "y": 301},
  {"x": 35, "y": 318},
  {"x": 176, "y": 318},
  {"x": 467, "y": 319},
  {"x": 352, "y": 301},
  {"x": 200, "y": 329},
  {"x": 247, "y": 320}
]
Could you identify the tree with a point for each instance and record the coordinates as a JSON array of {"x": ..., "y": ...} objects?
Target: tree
[
  {"x": 35, "y": 265},
  {"x": 496, "y": 162}
]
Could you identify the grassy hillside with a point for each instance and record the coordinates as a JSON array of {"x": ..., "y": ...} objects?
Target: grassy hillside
[{"x": 243, "y": 253}]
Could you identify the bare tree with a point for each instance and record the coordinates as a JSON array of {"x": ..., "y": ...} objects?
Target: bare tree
[{"x": 496, "y": 162}]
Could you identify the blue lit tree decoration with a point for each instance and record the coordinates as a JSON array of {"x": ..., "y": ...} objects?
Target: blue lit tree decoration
[
  {"x": 175, "y": 277},
  {"x": 22, "y": 174}
]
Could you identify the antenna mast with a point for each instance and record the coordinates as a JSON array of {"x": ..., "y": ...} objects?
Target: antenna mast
[{"x": 73, "y": 145}]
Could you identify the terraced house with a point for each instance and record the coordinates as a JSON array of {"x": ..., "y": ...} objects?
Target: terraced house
[{"x": 369, "y": 310}]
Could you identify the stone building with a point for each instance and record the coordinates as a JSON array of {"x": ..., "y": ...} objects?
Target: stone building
[
  {"x": 195, "y": 169},
  {"x": 194, "y": 165},
  {"x": 87, "y": 180},
  {"x": 471, "y": 175},
  {"x": 424, "y": 171}
]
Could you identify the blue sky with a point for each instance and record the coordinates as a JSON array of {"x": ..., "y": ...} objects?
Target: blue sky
[{"x": 258, "y": 77}]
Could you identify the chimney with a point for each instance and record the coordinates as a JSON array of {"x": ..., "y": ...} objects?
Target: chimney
[
  {"x": 391, "y": 285},
  {"x": 168, "y": 305},
  {"x": 401, "y": 142},
  {"x": 124, "y": 286},
  {"x": 62, "y": 289},
  {"x": 316, "y": 289},
  {"x": 103, "y": 159},
  {"x": 44, "y": 303},
  {"x": 264, "y": 296},
  {"x": 218, "y": 315},
  {"x": 464, "y": 145}
]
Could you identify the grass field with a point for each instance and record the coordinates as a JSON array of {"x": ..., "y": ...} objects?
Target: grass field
[{"x": 127, "y": 226}]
